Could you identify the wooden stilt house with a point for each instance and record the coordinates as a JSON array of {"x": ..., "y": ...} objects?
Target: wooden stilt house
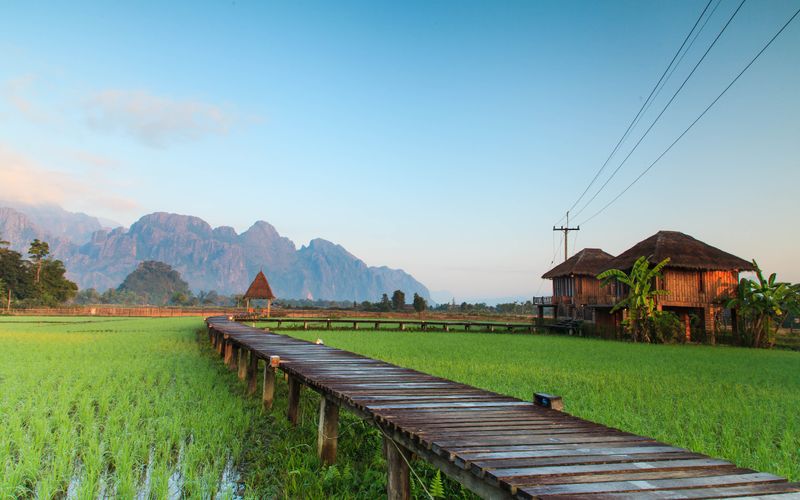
[
  {"x": 260, "y": 290},
  {"x": 698, "y": 277},
  {"x": 575, "y": 283}
]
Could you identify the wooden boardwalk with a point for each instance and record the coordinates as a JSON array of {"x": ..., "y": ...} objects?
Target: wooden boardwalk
[
  {"x": 495, "y": 445},
  {"x": 398, "y": 323}
]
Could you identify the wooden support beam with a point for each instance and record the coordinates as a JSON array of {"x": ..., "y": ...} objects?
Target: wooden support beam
[
  {"x": 268, "y": 392},
  {"x": 293, "y": 406},
  {"x": 377, "y": 325},
  {"x": 220, "y": 344},
  {"x": 329, "y": 324},
  {"x": 242, "y": 364},
  {"x": 327, "y": 431},
  {"x": 402, "y": 326},
  {"x": 355, "y": 325},
  {"x": 398, "y": 484},
  {"x": 548, "y": 401},
  {"x": 252, "y": 370},
  {"x": 305, "y": 325}
]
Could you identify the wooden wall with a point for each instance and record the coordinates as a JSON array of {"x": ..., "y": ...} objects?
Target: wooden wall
[{"x": 700, "y": 287}]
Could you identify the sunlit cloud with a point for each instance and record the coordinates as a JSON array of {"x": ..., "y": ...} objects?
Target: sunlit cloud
[
  {"x": 19, "y": 94},
  {"x": 156, "y": 121},
  {"x": 25, "y": 181}
]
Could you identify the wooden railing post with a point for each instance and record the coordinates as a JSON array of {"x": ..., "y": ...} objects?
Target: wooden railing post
[
  {"x": 398, "y": 485},
  {"x": 293, "y": 406},
  {"x": 252, "y": 369},
  {"x": 242, "y": 363},
  {"x": 548, "y": 401},
  {"x": 328, "y": 431},
  {"x": 268, "y": 392},
  {"x": 220, "y": 343}
]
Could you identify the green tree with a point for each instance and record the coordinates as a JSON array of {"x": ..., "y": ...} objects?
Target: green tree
[
  {"x": 420, "y": 304},
  {"x": 38, "y": 252},
  {"x": 385, "y": 303},
  {"x": 156, "y": 282},
  {"x": 762, "y": 305},
  {"x": 641, "y": 298},
  {"x": 398, "y": 300}
]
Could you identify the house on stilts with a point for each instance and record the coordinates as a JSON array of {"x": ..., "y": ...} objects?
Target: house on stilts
[{"x": 697, "y": 279}]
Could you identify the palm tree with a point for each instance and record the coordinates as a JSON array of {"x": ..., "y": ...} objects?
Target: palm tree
[
  {"x": 762, "y": 305},
  {"x": 641, "y": 298}
]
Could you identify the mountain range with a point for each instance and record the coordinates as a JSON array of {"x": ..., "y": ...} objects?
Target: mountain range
[{"x": 97, "y": 256}]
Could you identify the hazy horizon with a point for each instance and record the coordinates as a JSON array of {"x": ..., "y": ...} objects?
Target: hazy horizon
[{"x": 443, "y": 139}]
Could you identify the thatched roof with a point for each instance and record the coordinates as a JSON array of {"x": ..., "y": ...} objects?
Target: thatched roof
[
  {"x": 259, "y": 288},
  {"x": 589, "y": 261},
  {"x": 683, "y": 251}
]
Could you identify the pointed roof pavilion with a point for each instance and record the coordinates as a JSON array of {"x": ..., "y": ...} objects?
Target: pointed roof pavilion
[{"x": 259, "y": 288}]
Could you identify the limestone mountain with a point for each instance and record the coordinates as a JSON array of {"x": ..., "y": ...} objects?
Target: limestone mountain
[{"x": 219, "y": 258}]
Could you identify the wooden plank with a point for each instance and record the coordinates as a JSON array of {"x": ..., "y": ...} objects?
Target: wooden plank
[
  {"x": 580, "y": 469},
  {"x": 653, "y": 484}
]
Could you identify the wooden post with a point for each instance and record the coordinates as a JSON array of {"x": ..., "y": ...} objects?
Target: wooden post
[
  {"x": 242, "y": 363},
  {"x": 268, "y": 392},
  {"x": 252, "y": 369},
  {"x": 220, "y": 344},
  {"x": 293, "y": 406},
  {"x": 398, "y": 486},
  {"x": 402, "y": 327},
  {"x": 687, "y": 324},
  {"x": 540, "y": 315},
  {"x": 269, "y": 306},
  {"x": 446, "y": 327},
  {"x": 305, "y": 325},
  {"x": 327, "y": 431},
  {"x": 355, "y": 325},
  {"x": 329, "y": 324},
  {"x": 548, "y": 401}
]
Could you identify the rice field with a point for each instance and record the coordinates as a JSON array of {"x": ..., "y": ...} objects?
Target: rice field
[
  {"x": 138, "y": 408},
  {"x": 739, "y": 404}
]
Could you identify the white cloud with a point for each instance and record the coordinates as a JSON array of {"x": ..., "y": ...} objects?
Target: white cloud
[
  {"x": 156, "y": 121},
  {"x": 25, "y": 181}
]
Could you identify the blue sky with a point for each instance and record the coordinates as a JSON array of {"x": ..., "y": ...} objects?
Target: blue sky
[{"x": 443, "y": 138}]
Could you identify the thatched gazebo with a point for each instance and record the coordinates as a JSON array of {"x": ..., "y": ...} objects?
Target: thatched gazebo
[{"x": 260, "y": 290}]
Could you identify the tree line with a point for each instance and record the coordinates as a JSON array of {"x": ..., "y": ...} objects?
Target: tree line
[{"x": 38, "y": 280}]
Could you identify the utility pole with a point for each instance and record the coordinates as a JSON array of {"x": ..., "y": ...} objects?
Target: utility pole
[{"x": 566, "y": 229}]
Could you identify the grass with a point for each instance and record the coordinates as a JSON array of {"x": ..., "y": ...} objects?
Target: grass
[
  {"x": 734, "y": 403},
  {"x": 138, "y": 408}
]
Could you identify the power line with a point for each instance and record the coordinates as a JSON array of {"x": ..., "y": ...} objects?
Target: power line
[
  {"x": 666, "y": 106},
  {"x": 680, "y": 59},
  {"x": 753, "y": 60},
  {"x": 641, "y": 109}
]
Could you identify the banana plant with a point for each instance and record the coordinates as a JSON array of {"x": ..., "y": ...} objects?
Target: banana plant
[
  {"x": 641, "y": 298},
  {"x": 762, "y": 305}
]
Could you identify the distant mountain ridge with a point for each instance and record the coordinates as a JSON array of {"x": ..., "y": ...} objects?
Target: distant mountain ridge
[{"x": 214, "y": 258}]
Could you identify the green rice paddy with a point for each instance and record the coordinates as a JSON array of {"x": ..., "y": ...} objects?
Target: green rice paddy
[
  {"x": 138, "y": 408},
  {"x": 739, "y": 404}
]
